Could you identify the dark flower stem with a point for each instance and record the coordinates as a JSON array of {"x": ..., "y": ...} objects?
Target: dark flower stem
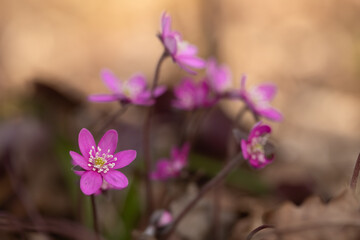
[
  {"x": 95, "y": 218},
  {"x": 355, "y": 175},
  {"x": 210, "y": 185},
  {"x": 258, "y": 229},
  {"x": 146, "y": 139},
  {"x": 157, "y": 71}
]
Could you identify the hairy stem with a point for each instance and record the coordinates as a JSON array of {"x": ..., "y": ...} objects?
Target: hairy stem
[
  {"x": 355, "y": 175},
  {"x": 210, "y": 185},
  {"x": 146, "y": 139},
  {"x": 95, "y": 218}
]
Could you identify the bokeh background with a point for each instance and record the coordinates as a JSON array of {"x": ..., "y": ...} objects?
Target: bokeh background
[{"x": 51, "y": 53}]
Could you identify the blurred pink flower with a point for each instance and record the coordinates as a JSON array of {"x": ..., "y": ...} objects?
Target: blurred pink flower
[
  {"x": 190, "y": 95},
  {"x": 99, "y": 162},
  {"x": 183, "y": 53},
  {"x": 253, "y": 149},
  {"x": 258, "y": 99},
  {"x": 132, "y": 91},
  {"x": 165, "y": 219},
  {"x": 171, "y": 168},
  {"x": 219, "y": 77}
]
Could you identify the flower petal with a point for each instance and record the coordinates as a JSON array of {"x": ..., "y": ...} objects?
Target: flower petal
[
  {"x": 79, "y": 160},
  {"x": 124, "y": 158},
  {"x": 271, "y": 113},
  {"x": 136, "y": 85},
  {"x": 244, "y": 150},
  {"x": 86, "y": 142},
  {"x": 109, "y": 142},
  {"x": 191, "y": 61},
  {"x": 162, "y": 171},
  {"x": 159, "y": 90},
  {"x": 110, "y": 80},
  {"x": 103, "y": 98},
  {"x": 165, "y": 24},
  {"x": 116, "y": 178},
  {"x": 90, "y": 182},
  {"x": 267, "y": 91},
  {"x": 170, "y": 44}
]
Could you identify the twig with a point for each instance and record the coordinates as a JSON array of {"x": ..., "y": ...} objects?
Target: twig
[
  {"x": 355, "y": 175},
  {"x": 213, "y": 183},
  {"x": 258, "y": 229}
]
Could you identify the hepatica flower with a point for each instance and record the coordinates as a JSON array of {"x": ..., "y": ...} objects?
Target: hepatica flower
[
  {"x": 219, "y": 77},
  {"x": 182, "y": 53},
  {"x": 99, "y": 162},
  {"x": 190, "y": 95},
  {"x": 253, "y": 149},
  {"x": 171, "y": 168},
  {"x": 133, "y": 91},
  {"x": 258, "y": 99}
]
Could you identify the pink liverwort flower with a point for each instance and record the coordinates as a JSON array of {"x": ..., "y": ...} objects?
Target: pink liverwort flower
[
  {"x": 183, "y": 53},
  {"x": 132, "y": 91},
  {"x": 165, "y": 219},
  {"x": 253, "y": 149},
  {"x": 258, "y": 99},
  {"x": 99, "y": 162},
  {"x": 219, "y": 77},
  {"x": 191, "y": 95},
  {"x": 171, "y": 168}
]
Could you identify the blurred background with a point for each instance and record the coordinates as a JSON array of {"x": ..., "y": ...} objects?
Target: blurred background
[{"x": 51, "y": 53}]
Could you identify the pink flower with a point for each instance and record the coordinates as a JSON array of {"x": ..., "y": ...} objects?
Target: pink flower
[
  {"x": 165, "y": 219},
  {"x": 253, "y": 149},
  {"x": 258, "y": 99},
  {"x": 99, "y": 162},
  {"x": 219, "y": 77},
  {"x": 132, "y": 91},
  {"x": 171, "y": 168},
  {"x": 191, "y": 95},
  {"x": 183, "y": 53}
]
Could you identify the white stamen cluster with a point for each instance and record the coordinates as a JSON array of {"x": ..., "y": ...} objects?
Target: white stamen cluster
[
  {"x": 256, "y": 147},
  {"x": 101, "y": 162}
]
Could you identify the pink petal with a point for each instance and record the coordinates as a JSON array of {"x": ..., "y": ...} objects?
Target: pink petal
[
  {"x": 165, "y": 24},
  {"x": 170, "y": 43},
  {"x": 79, "y": 160},
  {"x": 103, "y": 98},
  {"x": 116, "y": 178},
  {"x": 162, "y": 171},
  {"x": 110, "y": 80},
  {"x": 124, "y": 158},
  {"x": 90, "y": 182},
  {"x": 267, "y": 91},
  {"x": 244, "y": 149},
  {"x": 159, "y": 90},
  {"x": 109, "y": 141},
  {"x": 136, "y": 84},
  {"x": 271, "y": 113},
  {"x": 86, "y": 142},
  {"x": 259, "y": 129},
  {"x": 243, "y": 82},
  {"x": 191, "y": 61}
]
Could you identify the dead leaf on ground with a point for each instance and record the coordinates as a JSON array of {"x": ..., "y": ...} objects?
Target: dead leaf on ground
[{"x": 315, "y": 220}]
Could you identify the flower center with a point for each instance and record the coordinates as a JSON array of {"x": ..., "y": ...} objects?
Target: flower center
[{"x": 101, "y": 162}]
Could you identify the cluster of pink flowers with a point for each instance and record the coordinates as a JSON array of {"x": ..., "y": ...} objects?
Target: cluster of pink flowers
[{"x": 98, "y": 163}]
